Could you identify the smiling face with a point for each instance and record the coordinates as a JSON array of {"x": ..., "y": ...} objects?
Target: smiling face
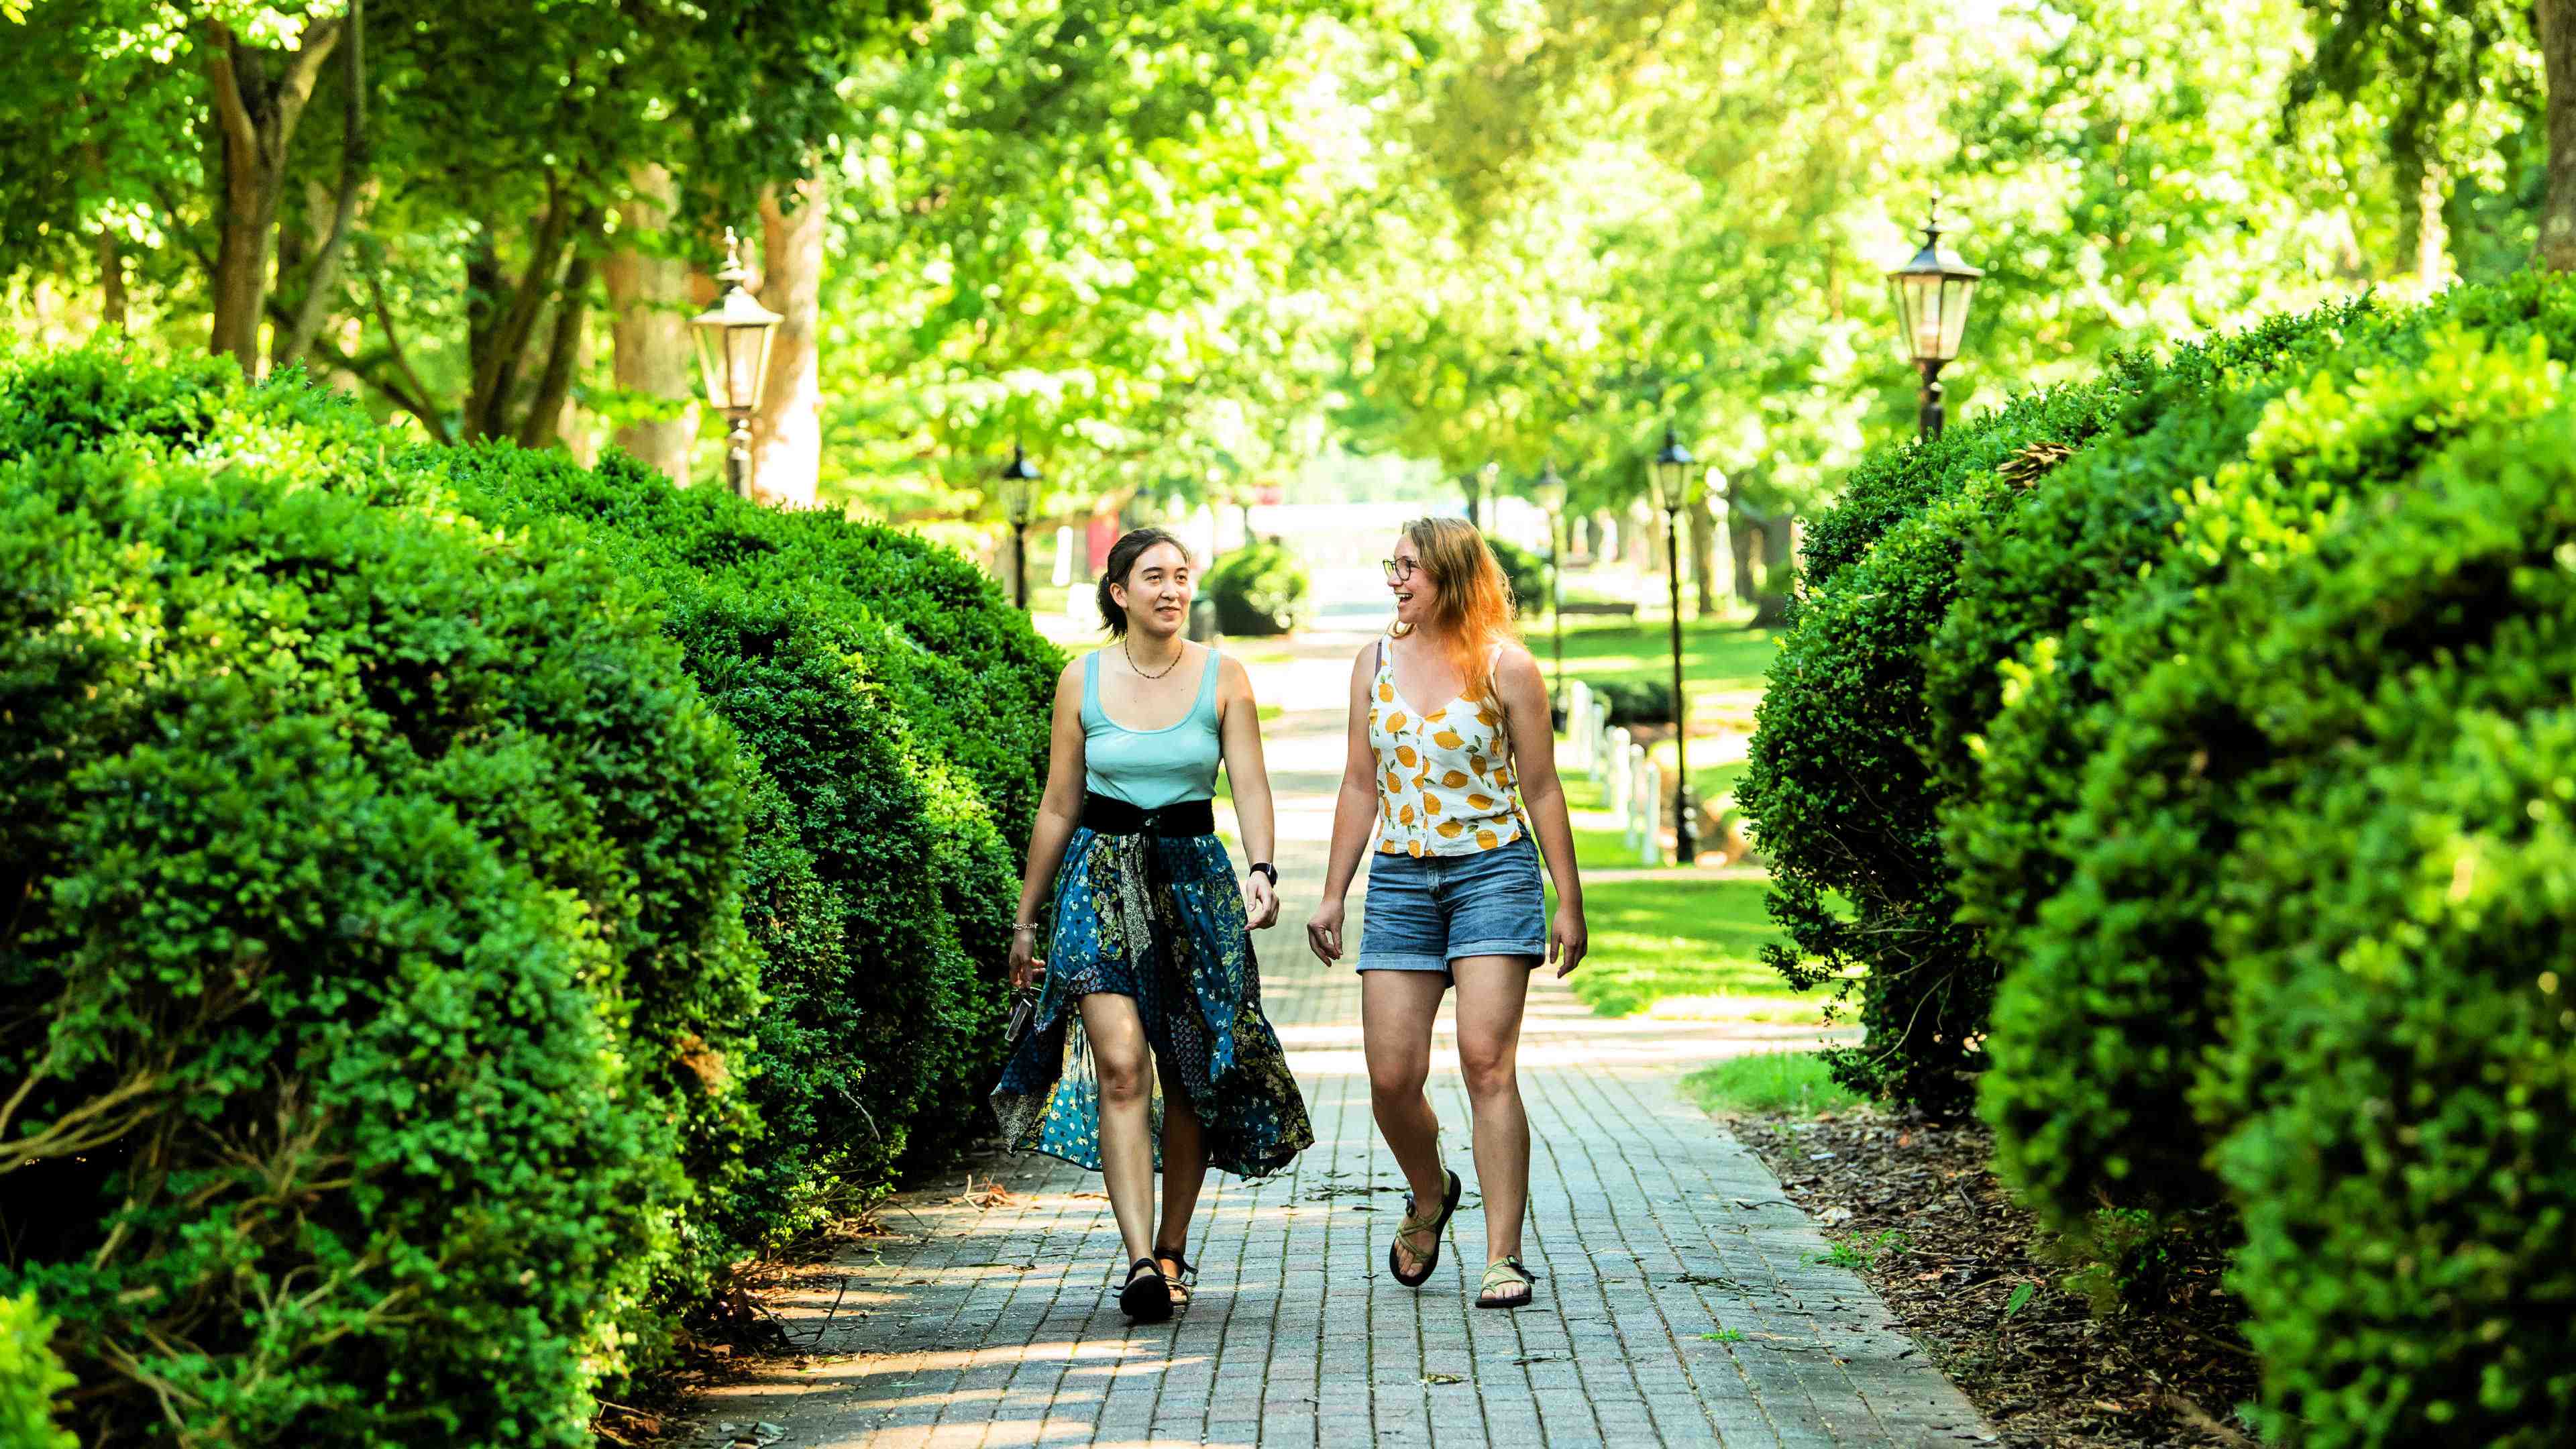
[
  {"x": 1156, "y": 594},
  {"x": 1417, "y": 594}
]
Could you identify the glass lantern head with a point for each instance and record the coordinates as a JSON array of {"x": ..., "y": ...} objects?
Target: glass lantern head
[
  {"x": 733, "y": 339},
  {"x": 1668, "y": 475},
  {"x": 1932, "y": 296}
]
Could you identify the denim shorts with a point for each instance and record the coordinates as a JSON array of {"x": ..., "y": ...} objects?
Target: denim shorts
[{"x": 1424, "y": 912}]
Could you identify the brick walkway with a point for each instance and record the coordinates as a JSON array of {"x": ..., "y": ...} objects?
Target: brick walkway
[{"x": 1681, "y": 1299}]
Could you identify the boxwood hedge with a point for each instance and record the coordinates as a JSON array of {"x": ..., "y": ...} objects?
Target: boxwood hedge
[
  {"x": 1835, "y": 782},
  {"x": 2392, "y": 1082},
  {"x": 32, "y": 1379},
  {"x": 380, "y": 904},
  {"x": 2245, "y": 726},
  {"x": 2099, "y": 876},
  {"x": 562, "y": 882},
  {"x": 1259, "y": 589}
]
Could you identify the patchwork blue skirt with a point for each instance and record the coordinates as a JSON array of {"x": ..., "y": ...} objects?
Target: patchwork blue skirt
[{"x": 1159, "y": 920}]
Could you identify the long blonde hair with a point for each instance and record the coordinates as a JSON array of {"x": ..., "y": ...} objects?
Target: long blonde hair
[{"x": 1475, "y": 608}]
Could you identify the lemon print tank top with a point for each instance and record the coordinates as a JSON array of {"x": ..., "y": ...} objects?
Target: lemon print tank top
[{"x": 1444, "y": 778}]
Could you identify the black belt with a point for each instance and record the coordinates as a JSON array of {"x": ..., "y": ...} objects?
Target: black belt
[{"x": 1106, "y": 816}]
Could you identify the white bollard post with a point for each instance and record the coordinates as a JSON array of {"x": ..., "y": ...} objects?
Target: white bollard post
[
  {"x": 1063, "y": 558},
  {"x": 1631, "y": 790},
  {"x": 1578, "y": 710},
  {"x": 1081, "y": 609},
  {"x": 1617, "y": 779},
  {"x": 1650, "y": 819}
]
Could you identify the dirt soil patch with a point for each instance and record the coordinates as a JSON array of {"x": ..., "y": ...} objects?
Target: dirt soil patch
[{"x": 1922, "y": 1219}]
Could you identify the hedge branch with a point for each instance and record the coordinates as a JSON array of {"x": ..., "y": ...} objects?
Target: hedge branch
[{"x": 59, "y": 1140}]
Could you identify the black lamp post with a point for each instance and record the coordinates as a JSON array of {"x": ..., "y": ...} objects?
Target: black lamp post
[
  {"x": 1550, "y": 494},
  {"x": 1932, "y": 295},
  {"x": 733, "y": 357},
  {"x": 1019, "y": 500},
  {"x": 1668, "y": 478}
]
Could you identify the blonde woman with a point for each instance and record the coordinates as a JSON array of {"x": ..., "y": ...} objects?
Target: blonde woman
[{"x": 1452, "y": 772}]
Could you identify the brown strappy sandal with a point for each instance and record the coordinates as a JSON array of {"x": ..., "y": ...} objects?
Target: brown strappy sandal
[
  {"x": 1413, "y": 1223},
  {"x": 1184, "y": 1275},
  {"x": 1506, "y": 1273}
]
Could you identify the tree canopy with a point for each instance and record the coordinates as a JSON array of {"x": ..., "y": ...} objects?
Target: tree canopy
[{"x": 1190, "y": 245}]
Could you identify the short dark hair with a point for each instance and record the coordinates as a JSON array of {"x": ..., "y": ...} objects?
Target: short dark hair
[{"x": 1122, "y": 562}]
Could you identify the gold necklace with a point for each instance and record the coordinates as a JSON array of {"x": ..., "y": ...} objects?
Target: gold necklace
[{"x": 1125, "y": 648}]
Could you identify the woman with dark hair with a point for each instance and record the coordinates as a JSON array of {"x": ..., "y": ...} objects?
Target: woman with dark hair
[
  {"x": 1451, "y": 776},
  {"x": 1148, "y": 1033}
]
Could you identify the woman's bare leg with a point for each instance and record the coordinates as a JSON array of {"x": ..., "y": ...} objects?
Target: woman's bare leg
[
  {"x": 1121, "y": 1059},
  {"x": 1492, "y": 991},
  {"x": 1184, "y": 1164},
  {"x": 1396, "y": 1012}
]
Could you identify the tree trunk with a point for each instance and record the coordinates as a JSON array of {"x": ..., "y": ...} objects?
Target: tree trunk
[
  {"x": 1703, "y": 548},
  {"x": 544, "y": 423},
  {"x": 1779, "y": 549},
  {"x": 2409, "y": 177},
  {"x": 787, "y": 433},
  {"x": 324, "y": 279},
  {"x": 500, "y": 335},
  {"x": 2432, "y": 234},
  {"x": 254, "y": 115},
  {"x": 649, "y": 332},
  {"x": 1740, "y": 531},
  {"x": 1594, "y": 537},
  {"x": 111, "y": 284},
  {"x": 2557, "y": 249}
]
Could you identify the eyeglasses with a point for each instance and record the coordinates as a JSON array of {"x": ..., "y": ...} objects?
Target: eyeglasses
[{"x": 1398, "y": 569}]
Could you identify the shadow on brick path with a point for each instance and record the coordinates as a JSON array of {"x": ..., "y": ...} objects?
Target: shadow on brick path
[{"x": 1682, "y": 1299}]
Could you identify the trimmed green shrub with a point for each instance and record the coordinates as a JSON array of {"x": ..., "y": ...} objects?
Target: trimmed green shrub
[
  {"x": 968, "y": 671},
  {"x": 1525, "y": 571},
  {"x": 379, "y": 900},
  {"x": 31, "y": 1379},
  {"x": 896, "y": 856},
  {"x": 1634, "y": 701},
  {"x": 1835, "y": 783},
  {"x": 2246, "y": 727},
  {"x": 2378, "y": 729},
  {"x": 570, "y": 752},
  {"x": 1879, "y": 712},
  {"x": 2098, "y": 1030},
  {"x": 1259, "y": 589}
]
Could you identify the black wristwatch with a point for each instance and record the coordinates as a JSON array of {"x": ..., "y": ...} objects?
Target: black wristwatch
[{"x": 1263, "y": 867}]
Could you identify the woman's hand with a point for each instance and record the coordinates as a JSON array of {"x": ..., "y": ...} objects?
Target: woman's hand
[
  {"x": 1026, "y": 968},
  {"x": 1324, "y": 932},
  {"x": 1260, "y": 902},
  {"x": 1566, "y": 939}
]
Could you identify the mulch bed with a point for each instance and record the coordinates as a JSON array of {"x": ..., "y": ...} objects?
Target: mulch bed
[{"x": 2050, "y": 1374}]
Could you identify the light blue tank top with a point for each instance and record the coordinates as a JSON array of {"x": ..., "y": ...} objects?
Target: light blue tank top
[{"x": 1150, "y": 769}]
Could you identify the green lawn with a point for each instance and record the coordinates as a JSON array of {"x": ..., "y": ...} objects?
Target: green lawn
[
  {"x": 1598, "y": 843},
  {"x": 1685, "y": 947},
  {"x": 1724, "y": 665},
  {"x": 1782, "y": 1081},
  {"x": 1717, "y": 655}
]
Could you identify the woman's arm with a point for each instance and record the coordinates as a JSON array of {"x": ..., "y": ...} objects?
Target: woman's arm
[
  {"x": 1526, "y": 713},
  {"x": 1059, "y": 810},
  {"x": 1354, "y": 815},
  {"x": 1239, "y": 733}
]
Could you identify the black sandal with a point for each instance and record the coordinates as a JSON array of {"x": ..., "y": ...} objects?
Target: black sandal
[
  {"x": 1147, "y": 1298},
  {"x": 1413, "y": 1223},
  {"x": 1511, "y": 1273},
  {"x": 1184, "y": 1276}
]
